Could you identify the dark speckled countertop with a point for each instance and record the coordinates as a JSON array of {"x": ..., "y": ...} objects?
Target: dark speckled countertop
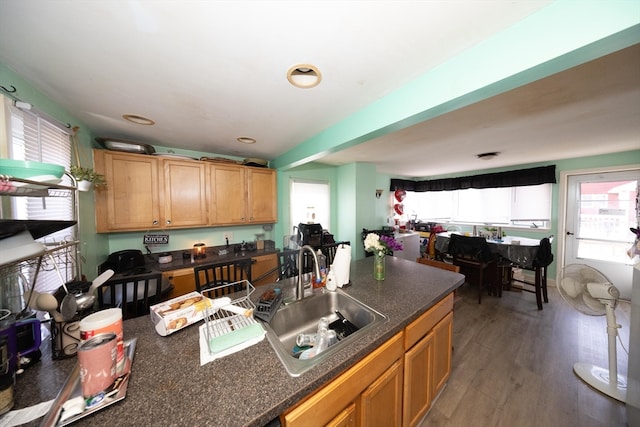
[{"x": 249, "y": 388}]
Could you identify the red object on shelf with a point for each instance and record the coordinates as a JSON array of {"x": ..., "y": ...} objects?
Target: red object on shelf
[{"x": 399, "y": 209}]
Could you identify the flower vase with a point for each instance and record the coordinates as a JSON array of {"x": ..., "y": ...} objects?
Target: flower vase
[{"x": 378, "y": 266}]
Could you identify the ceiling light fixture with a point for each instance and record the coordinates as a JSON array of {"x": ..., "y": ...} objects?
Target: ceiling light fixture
[
  {"x": 139, "y": 120},
  {"x": 304, "y": 76},
  {"x": 246, "y": 140},
  {"x": 487, "y": 156}
]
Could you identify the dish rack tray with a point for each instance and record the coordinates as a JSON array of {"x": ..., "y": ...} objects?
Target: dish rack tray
[{"x": 225, "y": 329}]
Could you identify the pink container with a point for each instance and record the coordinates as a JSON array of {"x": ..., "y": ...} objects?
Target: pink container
[
  {"x": 97, "y": 359},
  {"x": 104, "y": 321}
]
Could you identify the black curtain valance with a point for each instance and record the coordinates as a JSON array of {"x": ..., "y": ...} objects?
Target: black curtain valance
[{"x": 516, "y": 178}]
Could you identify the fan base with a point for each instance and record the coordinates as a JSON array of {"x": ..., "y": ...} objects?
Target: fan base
[{"x": 598, "y": 378}]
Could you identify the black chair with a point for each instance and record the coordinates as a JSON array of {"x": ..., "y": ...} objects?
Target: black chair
[
  {"x": 542, "y": 260},
  {"x": 329, "y": 251},
  {"x": 133, "y": 294},
  {"x": 210, "y": 277},
  {"x": 473, "y": 256},
  {"x": 288, "y": 263}
]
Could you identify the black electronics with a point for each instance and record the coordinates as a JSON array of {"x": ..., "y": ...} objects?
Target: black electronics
[
  {"x": 125, "y": 261},
  {"x": 310, "y": 234}
]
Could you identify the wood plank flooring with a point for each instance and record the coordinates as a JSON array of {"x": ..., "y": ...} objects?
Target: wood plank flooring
[{"x": 513, "y": 365}]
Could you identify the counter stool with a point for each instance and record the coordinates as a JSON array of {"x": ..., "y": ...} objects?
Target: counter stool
[
  {"x": 472, "y": 255},
  {"x": 133, "y": 294},
  {"x": 210, "y": 276},
  {"x": 542, "y": 260}
]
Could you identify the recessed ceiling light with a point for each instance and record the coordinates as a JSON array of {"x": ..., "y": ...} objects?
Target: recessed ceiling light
[
  {"x": 246, "y": 140},
  {"x": 139, "y": 120},
  {"x": 487, "y": 156},
  {"x": 304, "y": 76}
]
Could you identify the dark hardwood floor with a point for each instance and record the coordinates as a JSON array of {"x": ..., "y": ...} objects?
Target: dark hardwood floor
[{"x": 513, "y": 365}]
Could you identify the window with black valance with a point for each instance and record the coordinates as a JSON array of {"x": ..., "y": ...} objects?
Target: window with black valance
[{"x": 516, "y": 178}]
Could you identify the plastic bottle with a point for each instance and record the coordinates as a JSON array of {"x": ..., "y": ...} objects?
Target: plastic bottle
[
  {"x": 306, "y": 340},
  {"x": 331, "y": 281},
  {"x": 322, "y": 266}
]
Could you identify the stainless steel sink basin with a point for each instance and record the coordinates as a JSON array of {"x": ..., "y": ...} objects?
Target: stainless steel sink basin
[{"x": 302, "y": 317}]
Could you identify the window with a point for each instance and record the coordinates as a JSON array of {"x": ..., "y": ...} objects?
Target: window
[
  {"x": 33, "y": 138},
  {"x": 527, "y": 206},
  {"x": 308, "y": 197}
]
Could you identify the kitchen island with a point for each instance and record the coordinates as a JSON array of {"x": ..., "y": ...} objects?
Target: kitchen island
[{"x": 249, "y": 388}]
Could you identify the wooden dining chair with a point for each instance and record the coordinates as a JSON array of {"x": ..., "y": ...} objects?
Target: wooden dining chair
[
  {"x": 211, "y": 278},
  {"x": 133, "y": 294},
  {"x": 474, "y": 257},
  {"x": 439, "y": 264}
]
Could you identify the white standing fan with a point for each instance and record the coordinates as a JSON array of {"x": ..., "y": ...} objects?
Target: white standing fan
[{"x": 590, "y": 292}]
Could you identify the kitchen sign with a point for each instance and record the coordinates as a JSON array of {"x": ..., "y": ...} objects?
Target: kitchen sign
[{"x": 156, "y": 239}]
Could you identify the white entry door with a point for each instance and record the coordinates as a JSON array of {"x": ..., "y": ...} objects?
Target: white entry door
[{"x": 601, "y": 208}]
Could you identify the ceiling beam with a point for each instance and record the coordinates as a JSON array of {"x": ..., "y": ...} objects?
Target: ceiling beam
[{"x": 560, "y": 36}]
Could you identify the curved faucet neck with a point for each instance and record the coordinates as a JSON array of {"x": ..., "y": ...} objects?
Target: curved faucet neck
[{"x": 300, "y": 285}]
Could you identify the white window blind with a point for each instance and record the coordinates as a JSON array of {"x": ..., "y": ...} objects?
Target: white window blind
[
  {"x": 510, "y": 205},
  {"x": 33, "y": 138}
]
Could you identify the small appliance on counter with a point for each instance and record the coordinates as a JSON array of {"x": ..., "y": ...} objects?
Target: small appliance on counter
[
  {"x": 310, "y": 234},
  {"x": 128, "y": 261}
]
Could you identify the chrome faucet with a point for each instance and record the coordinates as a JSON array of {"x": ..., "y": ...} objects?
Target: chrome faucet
[{"x": 300, "y": 285}]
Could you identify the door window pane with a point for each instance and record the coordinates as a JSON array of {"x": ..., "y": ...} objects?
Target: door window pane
[{"x": 607, "y": 211}]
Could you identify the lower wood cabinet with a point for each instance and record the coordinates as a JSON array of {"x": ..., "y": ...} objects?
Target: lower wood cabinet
[
  {"x": 370, "y": 388},
  {"x": 427, "y": 361},
  {"x": 395, "y": 385},
  {"x": 183, "y": 281},
  {"x": 264, "y": 269},
  {"x": 381, "y": 402}
]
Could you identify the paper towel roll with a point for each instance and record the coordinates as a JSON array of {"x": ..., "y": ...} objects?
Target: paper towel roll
[{"x": 341, "y": 265}]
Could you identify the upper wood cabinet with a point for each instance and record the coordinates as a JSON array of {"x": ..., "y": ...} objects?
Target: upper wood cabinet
[
  {"x": 262, "y": 197},
  {"x": 241, "y": 195},
  {"x": 184, "y": 191},
  {"x": 131, "y": 198},
  {"x": 145, "y": 192},
  {"x": 151, "y": 192}
]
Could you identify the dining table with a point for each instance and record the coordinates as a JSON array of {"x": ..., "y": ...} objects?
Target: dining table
[{"x": 513, "y": 251}]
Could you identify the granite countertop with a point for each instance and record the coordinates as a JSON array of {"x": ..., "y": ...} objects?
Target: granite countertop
[{"x": 249, "y": 388}]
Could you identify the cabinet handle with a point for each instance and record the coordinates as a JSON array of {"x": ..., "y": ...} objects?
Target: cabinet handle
[
  {"x": 168, "y": 221},
  {"x": 155, "y": 222}
]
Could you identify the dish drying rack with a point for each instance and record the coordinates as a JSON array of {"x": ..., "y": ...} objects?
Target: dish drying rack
[{"x": 224, "y": 329}]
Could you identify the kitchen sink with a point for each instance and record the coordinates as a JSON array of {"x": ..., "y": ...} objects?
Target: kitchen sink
[{"x": 302, "y": 316}]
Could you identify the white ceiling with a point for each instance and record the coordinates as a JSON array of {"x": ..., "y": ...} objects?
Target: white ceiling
[{"x": 208, "y": 72}]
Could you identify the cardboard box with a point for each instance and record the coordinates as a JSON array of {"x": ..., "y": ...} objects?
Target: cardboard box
[{"x": 178, "y": 313}]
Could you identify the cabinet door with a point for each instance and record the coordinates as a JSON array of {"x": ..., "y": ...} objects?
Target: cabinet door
[
  {"x": 183, "y": 281},
  {"x": 262, "y": 197},
  {"x": 381, "y": 402},
  {"x": 130, "y": 200},
  {"x": 264, "y": 265},
  {"x": 185, "y": 200},
  {"x": 227, "y": 194},
  {"x": 442, "y": 334},
  {"x": 418, "y": 363},
  {"x": 346, "y": 418}
]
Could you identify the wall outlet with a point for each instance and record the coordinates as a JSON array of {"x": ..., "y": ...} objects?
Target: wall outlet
[{"x": 227, "y": 236}]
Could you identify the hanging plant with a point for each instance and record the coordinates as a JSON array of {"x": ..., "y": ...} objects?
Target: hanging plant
[{"x": 85, "y": 177}]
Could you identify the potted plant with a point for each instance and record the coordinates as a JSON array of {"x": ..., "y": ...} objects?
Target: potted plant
[{"x": 86, "y": 177}]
